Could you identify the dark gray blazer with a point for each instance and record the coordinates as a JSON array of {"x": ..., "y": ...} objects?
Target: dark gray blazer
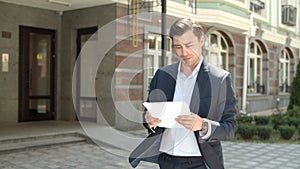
[{"x": 213, "y": 98}]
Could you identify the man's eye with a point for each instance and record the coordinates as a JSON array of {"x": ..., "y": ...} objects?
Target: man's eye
[{"x": 178, "y": 47}]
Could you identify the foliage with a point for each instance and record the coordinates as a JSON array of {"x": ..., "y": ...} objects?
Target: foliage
[
  {"x": 294, "y": 112},
  {"x": 262, "y": 120},
  {"x": 244, "y": 119},
  {"x": 286, "y": 132},
  {"x": 277, "y": 128},
  {"x": 278, "y": 120},
  {"x": 246, "y": 131},
  {"x": 295, "y": 92},
  {"x": 291, "y": 117},
  {"x": 264, "y": 132},
  {"x": 294, "y": 121}
]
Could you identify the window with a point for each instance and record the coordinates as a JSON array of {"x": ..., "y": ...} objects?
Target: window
[
  {"x": 288, "y": 12},
  {"x": 284, "y": 71},
  {"x": 218, "y": 50},
  {"x": 153, "y": 58},
  {"x": 255, "y": 77},
  {"x": 192, "y": 4},
  {"x": 139, "y": 6},
  {"x": 259, "y": 7}
]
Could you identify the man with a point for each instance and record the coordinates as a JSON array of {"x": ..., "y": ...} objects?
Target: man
[{"x": 209, "y": 93}]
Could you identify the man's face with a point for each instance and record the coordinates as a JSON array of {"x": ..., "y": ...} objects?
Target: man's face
[{"x": 188, "y": 48}]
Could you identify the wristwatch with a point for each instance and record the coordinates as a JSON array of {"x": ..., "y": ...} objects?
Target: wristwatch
[{"x": 204, "y": 127}]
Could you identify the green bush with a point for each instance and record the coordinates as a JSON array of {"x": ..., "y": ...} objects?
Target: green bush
[
  {"x": 294, "y": 112},
  {"x": 294, "y": 121},
  {"x": 264, "y": 132},
  {"x": 262, "y": 120},
  {"x": 246, "y": 131},
  {"x": 295, "y": 92},
  {"x": 244, "y": 119},
  {"x": 286, "y": 132},
  {"x": 279, "y": 120}
]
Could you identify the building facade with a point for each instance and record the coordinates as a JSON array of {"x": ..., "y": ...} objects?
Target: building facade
[{"x": 47, "y": 52}]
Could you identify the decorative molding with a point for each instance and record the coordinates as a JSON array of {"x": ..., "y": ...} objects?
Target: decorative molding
[
  {"x": 259, "y": 31},
  {"x": 288, "y": 39}
]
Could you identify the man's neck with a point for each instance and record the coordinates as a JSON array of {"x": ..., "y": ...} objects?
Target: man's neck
[{"x": 188, "y": 70}]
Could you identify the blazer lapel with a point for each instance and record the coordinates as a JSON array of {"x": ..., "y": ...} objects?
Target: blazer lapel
[
  {"x": 200, "y": 101},
  {"x": 170, "y": 78},
  {"x": 148, "y": 150}
]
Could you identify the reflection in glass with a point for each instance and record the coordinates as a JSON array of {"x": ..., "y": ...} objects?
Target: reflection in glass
[
  {"x": 258, "y": 50},
  {"x": 41, "y": 106},
  {"x": 152, "y": 41},
  {"x": 252, "y": 47},
  {"x": 39, "y": 67},
  {"x": 213, "y": 39},
  {"x": 223, "y": 43},
  {"x": 224, "y": 60}
]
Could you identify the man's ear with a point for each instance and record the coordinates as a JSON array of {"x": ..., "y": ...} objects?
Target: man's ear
[{"x": 202, "y": 40}]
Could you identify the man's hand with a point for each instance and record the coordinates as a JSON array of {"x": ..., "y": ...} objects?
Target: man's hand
[
  {"x": 192, "y": 122},
  {"x": 152, "y": 121}
]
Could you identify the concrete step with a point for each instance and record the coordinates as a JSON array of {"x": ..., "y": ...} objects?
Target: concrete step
[{"x": 19, "y": 143}]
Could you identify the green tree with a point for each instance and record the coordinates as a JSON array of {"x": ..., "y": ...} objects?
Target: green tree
[{"x": 295, "y": 90}]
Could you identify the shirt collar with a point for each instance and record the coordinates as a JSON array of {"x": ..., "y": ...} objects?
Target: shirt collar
[{"x": 195, "y": 71}]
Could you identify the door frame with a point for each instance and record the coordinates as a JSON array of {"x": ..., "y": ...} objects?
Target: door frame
[
  {"x": 24, "y": 32},
  {"x": 79, "y": 98}
]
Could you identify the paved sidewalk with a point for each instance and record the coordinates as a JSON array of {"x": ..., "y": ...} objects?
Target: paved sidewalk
[
  {"x": 261, "y": 156},
  {"x": 103, "y": 156},
  {"x": 90, "y": 156}
]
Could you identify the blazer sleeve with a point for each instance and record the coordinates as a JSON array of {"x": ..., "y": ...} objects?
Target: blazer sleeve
[
  {"x": 226, "y": 109},
  {"x": 151, "y": 88},
  {"x": 162, "y": 86}
]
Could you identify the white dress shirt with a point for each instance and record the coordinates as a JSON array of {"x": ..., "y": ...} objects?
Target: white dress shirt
[{"x": 181, "y": 141}]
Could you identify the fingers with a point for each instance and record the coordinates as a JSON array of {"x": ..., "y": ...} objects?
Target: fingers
[
  {"x": 192, "y": 122},
  {"x": 152, "y": 121},
  {"x": 186, "y": 120}
]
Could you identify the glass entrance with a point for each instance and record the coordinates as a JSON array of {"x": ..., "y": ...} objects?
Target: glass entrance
[
  {"x": 86, "y": 107},
  {"x": 36, "y": 74}
]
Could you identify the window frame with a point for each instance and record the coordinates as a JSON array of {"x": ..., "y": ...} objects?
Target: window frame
[
  {"x": 154, "y": 54},
  {"x": 218, "y": 50},
  {"x": 255, "y": 56},
  {"x": 285, "y": 26},
  {"x": 285, "y": 61},
  {"x": 261, "y": 16}
]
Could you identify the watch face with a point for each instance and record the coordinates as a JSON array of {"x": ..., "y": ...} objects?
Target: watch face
[{"x": 205, "y": 126}]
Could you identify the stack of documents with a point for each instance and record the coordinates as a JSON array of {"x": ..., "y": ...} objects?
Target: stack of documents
[{"x": 167, "y": 112}]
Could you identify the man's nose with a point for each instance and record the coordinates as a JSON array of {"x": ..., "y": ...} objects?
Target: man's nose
[{"x": 184, "y": 50}]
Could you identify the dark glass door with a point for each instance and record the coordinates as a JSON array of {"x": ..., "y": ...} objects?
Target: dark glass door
[
  {"x": 86, "y": 108},
  {"x": 36, "y": 74}
]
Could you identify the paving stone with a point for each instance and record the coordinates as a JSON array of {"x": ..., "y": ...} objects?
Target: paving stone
[{"x": 84, "y": 155}]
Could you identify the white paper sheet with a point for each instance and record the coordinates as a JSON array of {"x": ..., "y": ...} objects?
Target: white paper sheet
[{"x": 167, "y": 112}]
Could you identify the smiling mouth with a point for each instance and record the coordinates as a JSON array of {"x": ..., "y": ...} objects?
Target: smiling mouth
[{"x": 186, "y": 59}]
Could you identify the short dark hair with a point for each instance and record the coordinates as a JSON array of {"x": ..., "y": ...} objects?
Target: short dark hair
[{"x": 183, "y": 25}]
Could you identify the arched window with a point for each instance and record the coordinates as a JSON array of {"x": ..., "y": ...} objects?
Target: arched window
[
  {"x": 284, "y": 71},
  {"x": 152, "y": 58},
  {"x": 255, "y": 76},
  {"x": 218, "y": 50}
]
